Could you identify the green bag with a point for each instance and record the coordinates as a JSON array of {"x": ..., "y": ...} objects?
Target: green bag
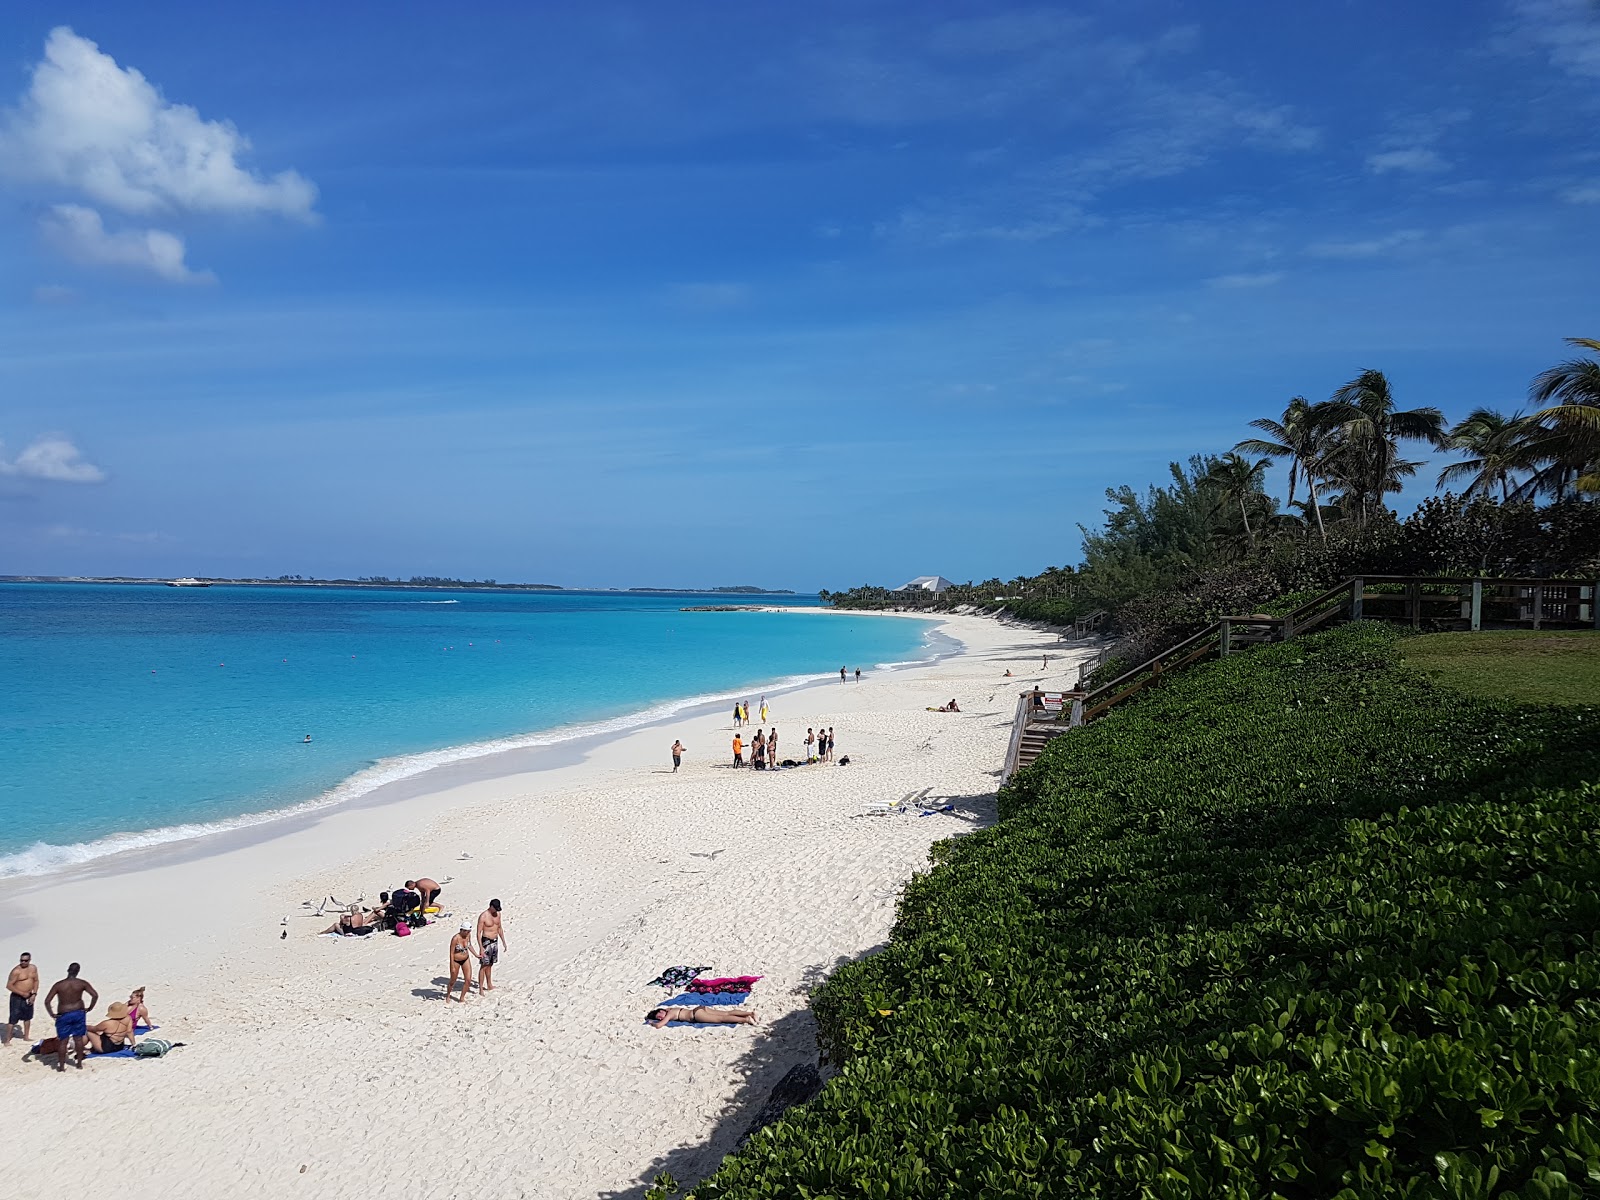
[{"x": 152, "y": 1048}]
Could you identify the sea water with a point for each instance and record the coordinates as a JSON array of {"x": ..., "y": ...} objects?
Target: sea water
[{"x": 137, "y": 714}]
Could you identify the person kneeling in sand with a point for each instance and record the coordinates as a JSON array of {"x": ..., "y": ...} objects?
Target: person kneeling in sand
[{"x": 701, "y": 1014}]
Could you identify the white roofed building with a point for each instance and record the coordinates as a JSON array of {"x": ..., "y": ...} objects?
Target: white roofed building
[{"x": 926, "y": 583}]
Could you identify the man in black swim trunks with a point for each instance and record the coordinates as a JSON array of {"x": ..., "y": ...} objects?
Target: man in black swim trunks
[{"x": 22, "y": 987}]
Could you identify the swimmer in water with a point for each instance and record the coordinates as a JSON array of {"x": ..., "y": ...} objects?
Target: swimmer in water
[{"x": 307, "y": 738}]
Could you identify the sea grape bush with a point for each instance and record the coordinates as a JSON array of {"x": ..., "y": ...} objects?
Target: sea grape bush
[{"x": 1298, "y": 923}]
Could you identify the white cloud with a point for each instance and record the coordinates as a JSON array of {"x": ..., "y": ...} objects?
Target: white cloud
[
  {"x": 81, "y": 235},
  {"x": 1567, "y": 30},
  {"x": 1366, "y": 247},
  {"x": 1417, "y": 158},
  {"x": 53, "y": 293},
  {"x": 1259, "y": 279},
  {"x": 87, "y": 124},
  {"x": 1588, "y": 193},
  {"x": 55, "y": 458}
]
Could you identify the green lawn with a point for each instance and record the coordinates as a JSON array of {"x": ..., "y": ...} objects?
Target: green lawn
[{"x": 1549, "y": 668}]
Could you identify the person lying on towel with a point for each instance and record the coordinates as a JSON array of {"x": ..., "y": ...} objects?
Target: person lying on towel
[{"x": 702, "y": 1014}]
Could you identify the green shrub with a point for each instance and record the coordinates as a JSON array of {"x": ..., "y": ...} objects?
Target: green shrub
[{"x": 1296, "y": 923}]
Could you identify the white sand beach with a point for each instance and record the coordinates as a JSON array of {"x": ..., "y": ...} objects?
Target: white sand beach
[{"x": 328, "y": 1067}]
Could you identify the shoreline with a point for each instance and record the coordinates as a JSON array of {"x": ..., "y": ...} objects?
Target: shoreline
[
  {"x": 385, "y": 779},
  {"x": 610, "y": 866}
]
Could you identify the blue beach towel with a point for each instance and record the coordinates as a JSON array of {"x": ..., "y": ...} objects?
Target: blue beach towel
[{"x": 125, "y": 1052}]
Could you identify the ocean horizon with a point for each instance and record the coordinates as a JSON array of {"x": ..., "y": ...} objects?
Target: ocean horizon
[{"x": 144, "y": 715}]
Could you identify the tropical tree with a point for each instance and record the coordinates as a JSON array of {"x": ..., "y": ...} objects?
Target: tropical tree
[
  {"x": 1367, "y": 430},
  {"x": 1571, "y": 445},
  {"x": 1497, "y": 446},
  {"x": 1237, "y": 481},
  {"x": 1302, "y": 436}
]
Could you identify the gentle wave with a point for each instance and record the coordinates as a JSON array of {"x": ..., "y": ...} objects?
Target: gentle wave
[
  {"x": 438, "y": 602},
  {"x": 43, "y": 858}
]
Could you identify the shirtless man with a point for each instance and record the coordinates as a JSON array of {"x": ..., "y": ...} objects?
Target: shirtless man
[
  {"x": 460, "y": 952},
  {"x": 66, "y": 1004},
  {"x": 430, "y": 890},
  {"x": 22, "y": 986},
  {"x": 678, "y": 750},
  {"x": 491, "y": 937}
]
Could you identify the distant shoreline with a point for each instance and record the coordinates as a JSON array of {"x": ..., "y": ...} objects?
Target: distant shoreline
[{"x": 464, "y": 585}]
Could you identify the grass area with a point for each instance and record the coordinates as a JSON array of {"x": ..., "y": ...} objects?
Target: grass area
[
  {"x": 1536, "y": 668},
  {"x": 1300, "y": 923}
]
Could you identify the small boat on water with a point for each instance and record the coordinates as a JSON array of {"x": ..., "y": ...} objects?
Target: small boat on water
[{"x": 188, "y": 581}]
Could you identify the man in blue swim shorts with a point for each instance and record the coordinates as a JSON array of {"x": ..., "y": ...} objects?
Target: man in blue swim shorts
[{"x": 67, "y": 1005}]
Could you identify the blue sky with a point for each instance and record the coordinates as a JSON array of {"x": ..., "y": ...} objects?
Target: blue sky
[{"x": 794, "y": 295}]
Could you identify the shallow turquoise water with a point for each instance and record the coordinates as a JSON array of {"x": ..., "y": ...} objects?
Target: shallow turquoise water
[{"x": 130, "y": 709}]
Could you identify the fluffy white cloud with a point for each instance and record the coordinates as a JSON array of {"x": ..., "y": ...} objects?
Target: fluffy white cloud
[
  {"x": 1567, "y": 30},
  {"x": 1418, "y": 158},
  {"x": 81, "y": 235},
  {"x": 87, "y": 124},
  {"x": 55, "y": 458}
]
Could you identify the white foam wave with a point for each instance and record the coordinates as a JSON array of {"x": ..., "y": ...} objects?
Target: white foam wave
[
  {"x": 44, "y": 858},
  {"x": 438, "y": 602}
]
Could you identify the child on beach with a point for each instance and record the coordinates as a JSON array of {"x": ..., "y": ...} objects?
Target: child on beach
[{"x": 738, "y": 750}]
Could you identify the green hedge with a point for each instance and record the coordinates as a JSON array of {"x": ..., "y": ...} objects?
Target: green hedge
[{"x": 1296, "y": 923}]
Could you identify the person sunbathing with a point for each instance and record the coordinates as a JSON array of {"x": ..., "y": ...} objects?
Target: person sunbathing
[
  {"x": 114, "y": 1033},
  {"x": 700, "y": 1014},
  {"x": 951, "y": 707},
  {"x": 353, "y": 924}
]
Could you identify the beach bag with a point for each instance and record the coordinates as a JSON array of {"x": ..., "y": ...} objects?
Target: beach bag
[
  {"x": 152, "y": 1048},
  {"x": 401, "y": 929}
]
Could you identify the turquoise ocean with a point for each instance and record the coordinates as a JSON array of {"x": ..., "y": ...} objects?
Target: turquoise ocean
[{"x": 132, "y": 715}]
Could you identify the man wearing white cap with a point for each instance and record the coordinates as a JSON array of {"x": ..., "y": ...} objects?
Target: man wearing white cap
[{"x": 461, "y": 952}]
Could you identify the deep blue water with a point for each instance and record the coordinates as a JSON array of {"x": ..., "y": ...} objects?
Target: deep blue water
[{"x": 137, "y": 708}]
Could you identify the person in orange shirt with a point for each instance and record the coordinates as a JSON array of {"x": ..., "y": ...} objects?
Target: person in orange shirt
[{"x": 738, "y": 750}]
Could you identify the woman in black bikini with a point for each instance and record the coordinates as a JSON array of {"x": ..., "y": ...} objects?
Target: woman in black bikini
[
  {"x": 701, "y": 1014},
  {"x": 460, "y": 952}
]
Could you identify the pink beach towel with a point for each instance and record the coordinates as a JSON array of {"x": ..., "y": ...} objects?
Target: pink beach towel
[{"x": 730, "y": 983}]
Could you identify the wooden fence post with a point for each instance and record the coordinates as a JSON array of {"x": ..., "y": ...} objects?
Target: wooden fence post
[
  {"x": 1538, "y": 604},
  {"x": 1226, "y": 641},
  {"x": 1358, "y": 591},
  {"x": 1414, "y": 602},
  {"x": 1477, "y": 605},
  {"x": 1076, "y": 720}
]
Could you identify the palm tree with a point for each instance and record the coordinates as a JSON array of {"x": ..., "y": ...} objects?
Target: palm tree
[
  {"x": 1571, "y": 444},
  {"x": 1496, "y": 445},
  {"x": 1301, "y": 436},
  {"x": 1367, "y": 436},
  {"x": 1237, "y": 480}
]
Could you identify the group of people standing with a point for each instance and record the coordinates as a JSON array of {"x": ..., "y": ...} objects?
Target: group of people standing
[
  {"x": 741, "y": 713},
  {"x": 69, "y": 1002},
  {"x": 764, "y": 748}
]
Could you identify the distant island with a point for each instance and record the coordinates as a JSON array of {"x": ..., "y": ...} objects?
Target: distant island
[{"x": 383, "y": 581}]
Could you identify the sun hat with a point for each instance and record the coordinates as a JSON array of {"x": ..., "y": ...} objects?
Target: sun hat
[{"x": 117, "y": 1011}]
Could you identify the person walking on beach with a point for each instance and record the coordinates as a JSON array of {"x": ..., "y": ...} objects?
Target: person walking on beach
[
  {"x": 65, "y": 1002},
  {"x": 811, "y": 741},
  {"x": 738, "y": 750},
  {"x": 858, "y": 674},
  {"x": 461, "y": 952},
  {"x": 738, "y": 715},
  {"x": 491, "y": 936},
  {"x": 22, "y": 987},
  {"x": 841, "y": 674},
  {"x": 677, "y": 755},
  {"x": 763, "y": 710}
]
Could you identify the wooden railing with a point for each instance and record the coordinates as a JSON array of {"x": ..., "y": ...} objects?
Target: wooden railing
[{"x": 1471, "y": 603}]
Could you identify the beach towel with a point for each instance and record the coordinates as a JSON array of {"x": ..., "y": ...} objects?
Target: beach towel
[
  {"x": 154, "y": 1048},
  {"x": 730, "y": 985},
  {"x": 125, "y": 1052},
  {"x": 677, "y": 976}
]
